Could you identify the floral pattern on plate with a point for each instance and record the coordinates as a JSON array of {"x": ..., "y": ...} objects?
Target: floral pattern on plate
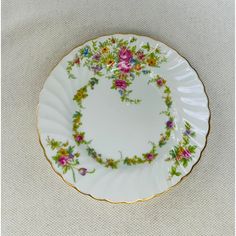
[
  {"x": 123, "y": 62},
  {"x": 118, "y": 60},
  {"x": 66, "y": 158}
]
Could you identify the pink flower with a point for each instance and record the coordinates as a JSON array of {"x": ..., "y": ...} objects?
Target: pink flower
[
  {"x": 77, "y": 61},
  {"x": 83, "y": 171},
  {"x": 79, "y": 138},
  {"x": 160, "y": 82},
  {"x": 121, "y": 84},
  {"x": 63, "y": 160},
  {"x": 140, "y": 55},
  {"x": 124, "y": 66},
  {"x": 125, "y": 54},
  {"x": 170, "y": 124},
  {"x": 150, "y": 156},
  {"x": 186, "y": 154}
]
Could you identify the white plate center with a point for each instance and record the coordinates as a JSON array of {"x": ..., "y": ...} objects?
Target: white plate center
[{"x": 117, "y": 126}]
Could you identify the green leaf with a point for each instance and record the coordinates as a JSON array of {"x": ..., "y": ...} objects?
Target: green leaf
[
  {"x": 77, "y": 114},
  {"x": 167, "y": 90},
  {"x": 173, "y": 152},
  {"x": 173, "y": 170},
  {"x": 177, "y": 173},
  {"x": 99, "y": 160},
  {"x": 99, "y": 73},
  {"x": 152, "y": 55},
  {"x": 168, "y": 101},
  {"x": 133, "y": 39},
  {"x": 133, "y": 48},
  {"x": 56, "y": 158},
  {"x": 184, "y": 162},
  {"x": 192, "y": 148},
  {"x": 71, "y": 149},
  {"x": 157, "y": 50},
  {"x": 71, "y": 76},
  {"x": 92, "y": 82},
  {"x": 146, "y": 46},
  {"x": 95, "y": 80},
  {"x": 94, "y": 45},
  {"x": 134, "y": 160},
  {"x": 185, "y": 140},
  {"x": 53, "y": 143},
  {"x": 77, "y": 154},
  {"x": 168, "y": 132},
  {"x": 112, "y": 163},
  {"x": 65, "y": 169},
  {"x": 162, "y": 143},
  {"x": 187, "y": 125}
]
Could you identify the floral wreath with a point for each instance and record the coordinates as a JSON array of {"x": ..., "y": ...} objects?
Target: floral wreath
[
  {"x": 149, "y": 156},
  {"x": 122, "y": 62}
]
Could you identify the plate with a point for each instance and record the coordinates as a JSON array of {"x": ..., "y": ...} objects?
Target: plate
[{"x": 123, "y": 118}]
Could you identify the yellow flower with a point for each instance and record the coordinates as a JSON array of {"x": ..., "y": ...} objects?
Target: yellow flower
[
  {"x": 137, "y": 67},
  {"x": 63, "y": 151},
  {"x": 151, "y": 61},
  {"x": 81, "y": 93},
  {"x": 122, "y": 76},
  {"x": 105, "y": 50},
  {"x": 109, "y": 61},
  {"x": 181, "y": 149},
  {"x": 77, "y": 120}
]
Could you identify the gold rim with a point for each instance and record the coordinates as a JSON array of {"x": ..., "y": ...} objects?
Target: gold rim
[{"x": 155, "y": 195}]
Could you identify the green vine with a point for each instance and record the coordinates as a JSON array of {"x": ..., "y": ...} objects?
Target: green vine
[{"x": 148, "y": 157}]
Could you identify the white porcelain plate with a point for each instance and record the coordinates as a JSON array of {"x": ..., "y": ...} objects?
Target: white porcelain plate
[{"x": 123, "y": 118}]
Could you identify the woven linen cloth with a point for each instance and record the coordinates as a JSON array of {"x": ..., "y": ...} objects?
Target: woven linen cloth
[{"x": 36, "y": 35}]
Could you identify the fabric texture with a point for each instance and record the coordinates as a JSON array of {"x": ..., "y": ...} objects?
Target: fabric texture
[{"x": 35, "y": 36}]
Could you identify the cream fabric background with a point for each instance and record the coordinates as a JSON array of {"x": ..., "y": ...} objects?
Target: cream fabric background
[{"x": 36, "y": 35}]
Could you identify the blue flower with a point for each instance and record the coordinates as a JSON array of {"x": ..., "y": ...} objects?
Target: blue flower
[
  {"x": 71, "y": 156},
  {"x": 187, "y": 132},
  {"x": 133, "y": 61},
  {"x": 132, "y": 75},
  {"x": 145, "y": 71},
  {"x": 86, "y": 52},
  {"x": 96, "y": 68},
  {"x": 121, "y": 92}
]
